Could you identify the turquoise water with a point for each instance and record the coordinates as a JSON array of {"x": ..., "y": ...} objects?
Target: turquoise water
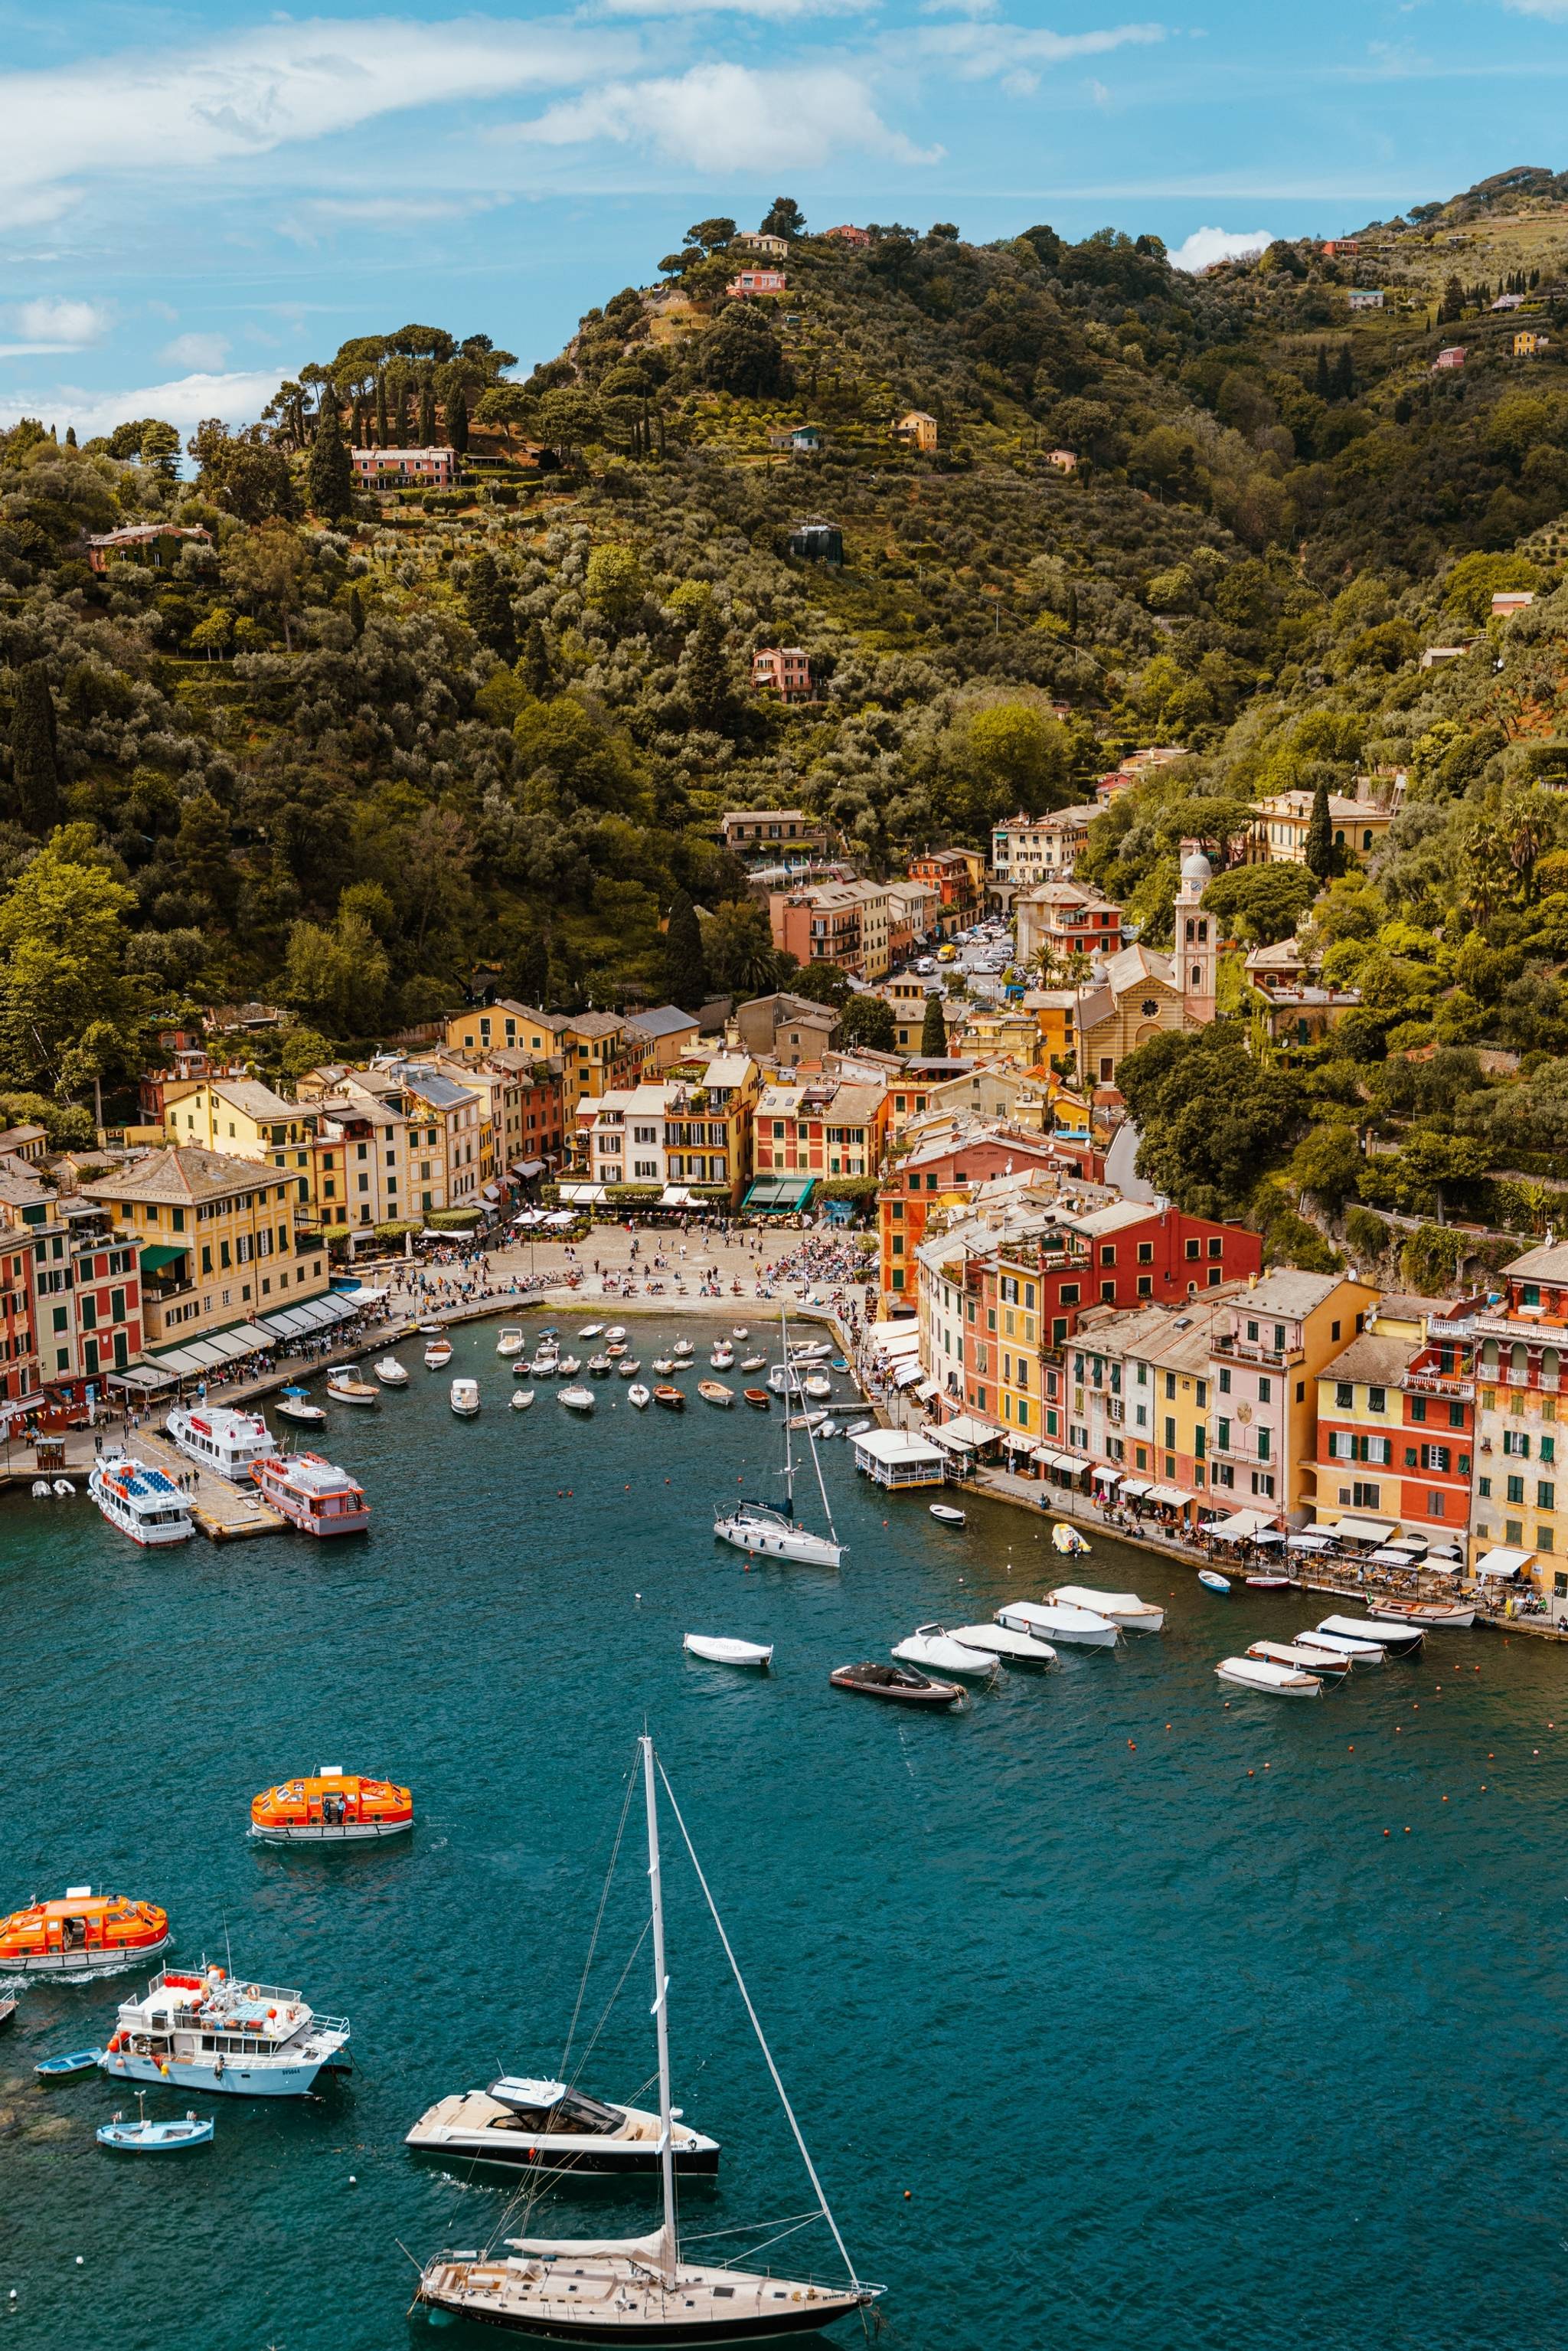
[{"x": 1113, "y": 2020}]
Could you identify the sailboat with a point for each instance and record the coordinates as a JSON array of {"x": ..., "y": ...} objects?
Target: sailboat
[
  {"x": 770, "y": 1533},
  {"x": 641, "y": 2289}
]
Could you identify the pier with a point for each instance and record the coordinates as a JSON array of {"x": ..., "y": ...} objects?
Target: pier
[{"x": 224, "y": 1512}]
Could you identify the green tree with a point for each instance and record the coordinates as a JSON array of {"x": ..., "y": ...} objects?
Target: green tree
[
  {"x": 685, "y": 967},
  {"x": 64, "y": 929},
  {"x": 330, "y": 473},
  {"x": 457, "y": 420},
  {"x": 569, "y": 417},
  {"x": 1212, "y": 1119},
  {"x": 783, "y": 218},
  {"x": 487, "y": 597},
  {"x": 160, "y": 448},
  {"x": 243, "y": 473},
  {"x": 34, "y": 764},
  {"x": 865, "y": 1020},
  {"x": 822, "y": 983},
  {"x": 740, "y": 353},
  {"x": 1322, "y": 858},
  {"x": 267, "y": 567},
  {"x": 1327, "y": 1162},
  {"x": 1261, "y": 903},
  {"x": 614, "y": 583},
  {"x": 934, "y": 1029},
  {"x": 534, "y": 664},
  {"x": 739, "y": 950},
  {"x": 711, "y": 233},
  {"x": 710, "y": 682},
  {"x": 338, "y": 976}
]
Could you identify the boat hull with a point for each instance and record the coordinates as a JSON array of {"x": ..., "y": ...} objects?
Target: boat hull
[
  {"x": 624, "y": 2304},
  {"x": 583, "y": 2159},
  {"x": 320, "y": 1832},
  {"x": 75, "y": 1965},
  {"x": 772, "y": 1542},
  {"x": 238, "y": 2079}
]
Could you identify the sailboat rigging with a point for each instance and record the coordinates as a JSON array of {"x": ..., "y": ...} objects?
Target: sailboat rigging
[
  {"x": 641, "y": 2289},
  {"x": 772, "y": 1533}
]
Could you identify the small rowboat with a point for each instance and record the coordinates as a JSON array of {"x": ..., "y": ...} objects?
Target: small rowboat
[
  {"x": 1269, "y": 1583},
  {"x": 753, "y": 1362},
  {"x": 1212, "y": 1580},
  {"x": 897, "y": 1682},
  {"x": 639, "y": 1395},
  {"x": 671, "y": 1398},
  {"x": 628, "y": 1367},
  {"x": 948, "y": 1514},
  {"x": 741, "y": 1331},
  {"x": 718, "y": 1651},
  {"x": 663, "y": 1365},
  {"x": 143, "y": 2138},
  {"x": 590, "y": 1330},
  {"x": 521, "y": 1399},
  {"x": 715, "y": 1392},
  {"x": 68, "y": 2067},
  {"x": 391, "y": 1372},
  {"x": 758, "y": 1399},
  {"x": 1263, "y": 1674}
]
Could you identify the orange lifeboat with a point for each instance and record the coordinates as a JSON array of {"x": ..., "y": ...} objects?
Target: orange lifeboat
[
  {"x": 82, "y": 1934},
  {"x": 333, "y": 1807}
]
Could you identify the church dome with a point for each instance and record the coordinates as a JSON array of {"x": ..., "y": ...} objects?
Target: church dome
[{"x": 1196, "y": 869}]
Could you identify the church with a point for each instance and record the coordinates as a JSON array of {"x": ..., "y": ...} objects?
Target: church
[{"x": 1137, "y": 992}]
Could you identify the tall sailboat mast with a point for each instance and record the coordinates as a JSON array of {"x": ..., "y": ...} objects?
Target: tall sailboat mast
[
  {"x": 789, "y": 1409},
  {"x": 668, "y": 2249}
]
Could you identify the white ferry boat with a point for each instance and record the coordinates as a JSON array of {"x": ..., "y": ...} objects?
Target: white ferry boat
[
  {"x": 211, "y": 2031},
  {"x": 140, "y": 1500},
  {"x": 313, "y": 1494},
  {"x": 220, "y": 1438}
]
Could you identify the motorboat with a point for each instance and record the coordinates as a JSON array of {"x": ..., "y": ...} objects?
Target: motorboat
[
  {"x": 718, "y": 1650},
  {"x": 946, "y": 1514},
  {"x": 639, "y": 1395},
  {"x": 722, "y": 1356},
  {"x": 840, "y": 1364},
  {"x": 1433, "y": 1615},
  {"x": 81, "y": 1933},
  {"x": 463, "y": 1398},
  {"x": 616, "y": 1333},
  {"x": 858, "y": 1427},
  {"x": 212, "y": 2031},
  {"x": 715, "y": 1392},
  {"x": 345, "y": 1386},
  {"x": 809, "y": 1351},
  {"x": 521, "y": 1368},
  {"x": 544, "y": 1366},
  {"x": 599, "y": 1367},
  {"x": 932, "y": 1648},
  {"x": 1270, "y": 1583},
  {"x": 438, "y": 1355},
  {"x": 827, "y": 1427},
  {"x": 332, "y": 1807},
  {"x": 900, "y": 1683},
  {"x": 640, "y": 2289},
  {"x": 753, "y": 1362},
  {"x": 432, "y": 1330},
  {"x": 670, "y": 1397},
  {"x": 509, "y": 1339},
  {"x": 615, "y": 1349},
  {"x": 313, "y": 1494},
  {"x": 1360, "y": 1653},
  {"x": 741, "y": 1330},
  {"x": 220, "y": 1440},
  {"x": 627, "y": 1368},
  {"x": 521, "y": 1400},
  {"x": 682, "y": 1347},
  {"x": 817, "y": 1387},
  {"x": 1081, "y": 1628},
  {"x": 294, "y": 1404},
  {"x": 1002, "y": 1641},
  {"x": 1068, "y": 1541},
  {"x": 63, "y": 1489},
  {"x": 665, "y": 1365},
  {"x": 141, "y": 1500},
  {"x": 69, "y": 2067},
  {"x": 391, "y": 1372},
  {"x": 758, "y": 1399},
  {"x": 1212, "y": 1580},
  {"x": 1398, "y": 1640},
  {"x": 577, "y": 1398},
  {"x": 1303, "y": 1655},
  {"x": 568, "y": 1367},
  {"x": 1264, "y": 1674},
  {"x": 538, "y": 2126},
  {"x": 143, "y": 2138},
  {"x": 591, "y": 1330},
  {"x": 785, "y": 1380},
  {"x": 1124, "y": 1608}
]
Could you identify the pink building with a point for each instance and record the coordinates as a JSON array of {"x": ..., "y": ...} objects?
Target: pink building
[
  {"x": 784, "y": 669},
  {"x": 757, "y": 281},
  {"x": 435, "y": 468},
  {"x": 1452, "y": 355},
  {"x": 860, "y": 238}
]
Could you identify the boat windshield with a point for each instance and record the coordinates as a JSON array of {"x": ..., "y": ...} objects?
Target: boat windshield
[{"x": 576, "y": 2112}]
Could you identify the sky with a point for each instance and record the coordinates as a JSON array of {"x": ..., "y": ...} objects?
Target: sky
[{"x": 191, "y": 206}]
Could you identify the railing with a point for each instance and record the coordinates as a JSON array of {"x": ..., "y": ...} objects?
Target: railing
[{"x": 1440, "y": 1383}]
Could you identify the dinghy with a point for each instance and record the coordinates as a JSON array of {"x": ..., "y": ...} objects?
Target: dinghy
[
  {"x": 1124, "y": 1608},
  {"x": 1212, "y": 1580},
  {"x": 627, "y": 1368},
  {"x": 639, "y": 1395},
  {"x": 67, "y": 2068},
  {"x": 1067, "y": 1538},
  {"x": 1269, "y": 1583},
  {"x": 1263, "y": 1674},
  {"x": 741, "y": 1330},
  {"x": 758, "y": 1399},
  {"x": 719, "y": 1651},
  {"x": 753, "y": 1362},
  {"x": 715, "y": 1392},
  {"x": 591, "y": 1330},
  {"x": 143, "y": 2138},
  {"x": 671, "y": 1398},
  {"x": 932, "y": 1648},
  {"x": 946, "y": 1513},
  {"x": 521, "y": 1399}
]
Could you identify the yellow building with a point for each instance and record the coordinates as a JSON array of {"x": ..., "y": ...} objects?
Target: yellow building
[
  {"x": 220, "y": 1240},
  {"x": 1020, "y": 1374},
  {"x": 916, "y": 430},
  {"x": 245, "y": 1120}
]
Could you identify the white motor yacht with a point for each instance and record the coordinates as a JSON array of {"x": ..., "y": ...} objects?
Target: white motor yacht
[
  {"x": 1124, "y": 1608},
  {"x": 140, "y": 1500},
  {"x": 545, "y": 1365},
  {"x": 220, "y": 1440},
  {"x": 509, "y": 1339},
  {"x": 212, "y": 2031},
  {"x": 465, "y": 1398},
  {"x": 522, "y": 2125},
  {"x": 1082, "y": 1628}
]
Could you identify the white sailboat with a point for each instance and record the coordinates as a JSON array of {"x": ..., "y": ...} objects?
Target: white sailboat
[
  {"x": 770, "y": 1533},
  {"x": 641, "y": 2289}
]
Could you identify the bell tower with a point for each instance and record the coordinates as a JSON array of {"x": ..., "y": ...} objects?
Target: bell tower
[{"x": 1194, "y": 961}]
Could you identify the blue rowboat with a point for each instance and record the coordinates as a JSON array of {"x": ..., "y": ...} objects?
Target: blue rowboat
[
  {"x": 63, "y": 2069},
  {"x": 143, "y": 2138},
  {"x": 1212, "y": 1580}
]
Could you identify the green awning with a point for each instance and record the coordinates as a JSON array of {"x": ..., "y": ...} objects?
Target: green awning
[
  {"x": 779, "y": 1196},
  {"x": 158, "y": 1254}
]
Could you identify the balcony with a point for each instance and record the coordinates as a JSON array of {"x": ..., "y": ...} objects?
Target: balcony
[{"x": 1440, "y": 1383}]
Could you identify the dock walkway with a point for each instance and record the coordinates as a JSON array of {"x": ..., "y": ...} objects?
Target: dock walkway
[{"x": 224, "y": 1512}]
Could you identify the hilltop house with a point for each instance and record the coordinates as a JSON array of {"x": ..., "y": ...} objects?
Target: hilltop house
[
  {"x": 916, "y": 430},
  {"x": 153, "y": 543},
  {"x": 783, "y": 670},
  {"x": 755, "y": 281},
  {"x": 429, "y": 468}
]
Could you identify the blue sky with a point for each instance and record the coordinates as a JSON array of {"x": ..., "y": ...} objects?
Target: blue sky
[{"x": 193, "y": 206}]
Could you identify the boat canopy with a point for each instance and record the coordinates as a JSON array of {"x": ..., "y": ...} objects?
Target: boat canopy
[{"x": 640, "y": 2249}]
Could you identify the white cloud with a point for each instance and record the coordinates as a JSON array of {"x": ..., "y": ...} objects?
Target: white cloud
[
  {"x": 199, "y": 352},
  {"x": 238, "y": 398},
  {"x": 185, "y": 110},
  {"x": 1206, "y": 245},
  {"x": 729, "y": 118},
  {"x": 774, "y": 11},
  {"x": 65, "y": 325},
  {"x": 981, "y": 51},
  {"x": 960, "y": 8}
]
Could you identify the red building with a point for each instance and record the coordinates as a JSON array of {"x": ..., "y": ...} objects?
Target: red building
[
  {"x": 18, "y": 1338},
  {"x": 1437, "y": 1444}
]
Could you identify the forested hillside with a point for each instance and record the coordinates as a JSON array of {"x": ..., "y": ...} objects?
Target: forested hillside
[{"x": 347, "y": 745}]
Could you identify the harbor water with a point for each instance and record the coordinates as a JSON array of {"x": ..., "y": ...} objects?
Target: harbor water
[{"x": 1118, "y": 2017}]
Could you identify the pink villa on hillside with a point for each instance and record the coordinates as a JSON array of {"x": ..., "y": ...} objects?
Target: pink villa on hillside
[
  {"x": 847, "y": 233},
  {"x": 757, "y": 281},
  {"x": 434, "y": 467},
  {"x": 1452, "y": 355},
  {"x": 784, "y": 669}
]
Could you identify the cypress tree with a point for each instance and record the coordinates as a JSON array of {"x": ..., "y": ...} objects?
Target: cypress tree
[
  {"x": 34, "y": 767},
  {"x": 383, "y": 425},
  {"x": 533, "y": 973},
  {"x": 489, "y": 606},
  {"x": 1345, "y": 374},
  {"x": 534, "y": 668},
  {"x": 70, "y": 436},
  {"x": 329, "y": 474},
  {"x": 1320, "y": 383},
  {"x": 427, "y": 414},
  {"x": 356, "y": 612},
  {"x": 1320, "y": 834},
  {"x": 399, "y": 417},
  {"x": 708, "y": 687},
  {"x": 685, "y": 967},
  {"x": 934, "y": 1029},
  {"x": 457, "y": 420}
]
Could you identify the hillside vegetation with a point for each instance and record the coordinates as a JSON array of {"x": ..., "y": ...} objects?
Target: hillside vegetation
[{"x": 352, "y": 747}]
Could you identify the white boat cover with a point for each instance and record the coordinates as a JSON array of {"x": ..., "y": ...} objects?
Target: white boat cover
[
  {"x": 641, "y": 2249},
  {"x": 1104, "y": 1603},
  {"x": 1261, "y": 1672}
]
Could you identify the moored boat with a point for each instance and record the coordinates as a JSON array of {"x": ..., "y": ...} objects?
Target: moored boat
[
  {"x": 720, "y": 1650},
  {"x": 753, "y": 1362},
  {"x": 464, "y": 1397},
  {"x": 69, "y": 2067},
  {"x": 141, "y": 1500},
  {"x": 639, "y": 1395},
  {"x": 627, "y": 1368},
  {"x": 294, "y": 1404},
  {"x": 509, "y": 1339},
  {"x": 665, "y": 1365},
  {"x": 220, "y": 1440},
  {"x": 577, "y": 1399},
  {"x": 599, "y": 1367},
  {"x": 1432, "y": 1614},
  {"x": 522, "y": 1399},
  {"x": 143, "y": 2138},
  {"x": 345, "y": 1385},
  {"x": 521, "y": 2125},
  {"x": 213, "y": 2032},
  {"x": 722, "y": 1356},
  {"x": 946, "y": 1514},
  {"x": 758, "y": 1399},
  {"x": 438, "y": 1355},
  {"x": 332, "y": 1807},
  {"x": 1082, "y": 1628},
  {"x": 932, "y": 1648},
  {"x": 312, "y": 1493},
  {"x": 1265, "y": 1675},
  {"x": 1359, "y": 1653},
  {"x": 1270, "y": 1583},
  {"x": 81, "y": 1933},
  {"x": 682, "y": 1347},
  {"x": 1006, "y": 1642},
  {"x": 391, "y": 1372},
  {"x": 715, "y": 1392},
  {"x": 1124, "y": 1608},
  {"x": 1068, "y": 1540},
  {"x": 568, "y": 1367},
  {"x": 1397, "y": 1640},
  {"x": 671, "y": 1398},
  {"x": 900, "y": 1683},
  {"x": 1212, "y": 1580},
  {"x": 591, "y": 1330},
  {"x": 817, "y": 1387},
  {"x": 1305, "y": 1656}
]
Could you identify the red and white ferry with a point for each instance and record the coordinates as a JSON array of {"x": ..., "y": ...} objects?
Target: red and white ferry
[{"x": 312, "y": 1494}]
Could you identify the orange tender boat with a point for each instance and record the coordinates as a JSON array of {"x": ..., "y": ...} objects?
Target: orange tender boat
[
  {"x": 82, "y": 1934},
  {"x": 335, "y": 1807}
]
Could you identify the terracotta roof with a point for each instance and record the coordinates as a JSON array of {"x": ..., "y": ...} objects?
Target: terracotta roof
[{"x": 187, "y": 1172}]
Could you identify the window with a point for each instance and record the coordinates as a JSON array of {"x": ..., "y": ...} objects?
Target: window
[
  {"x": 1252, "y": 1332},
  {"x": 1146, "y": 1252},
  {"x": 1417, "y": 1407},
  {"x": 1170, "y": 1430},
  {"x": 1344, "y": 1395},
  {"x": 1365, "y": 1498},
  {"x": 1265, "y": 1391},
  {"x": 1263, "y": 1440},
  {"x": 1224, "y": 1436},
  {"x": 1378, "y": 1399},
  {"x": 1516, "y": 1442},
  {"x": 1513, "y": 1530},
  {"x": 1170, "y": 1385},
  {"x": 1193, "y": 1249},
  {"x": 1068, "y": 1294},
  {"x": 1515, "y": 1491},
  {"x": 1216, "y": 1247},
  {"x": 1548, "y": 1448},
  {"x": 1545, "y": 1496},
  {"x": 1483, "y": 1487},
  {"x": 1279, "y": 1338},
  {"x": 1225, "y": 1379},
  {"x": 1434, "y": 1506},
  {"x": 1108, "y": 1253},
  {"x": 1146, "y": 1285},
  {"x": 1457, "y": 1417}
]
